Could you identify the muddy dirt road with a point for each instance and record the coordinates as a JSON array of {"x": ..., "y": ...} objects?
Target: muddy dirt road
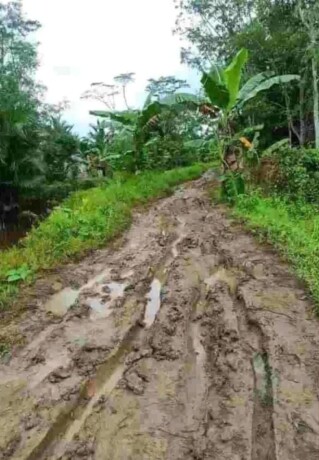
[{"x": 185, "y": 340}]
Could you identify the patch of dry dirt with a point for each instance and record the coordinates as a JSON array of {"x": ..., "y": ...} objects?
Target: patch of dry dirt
[{"x": 185, "y": 341}]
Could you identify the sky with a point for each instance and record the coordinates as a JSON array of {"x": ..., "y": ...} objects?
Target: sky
[{"x": 82, "y": 41}]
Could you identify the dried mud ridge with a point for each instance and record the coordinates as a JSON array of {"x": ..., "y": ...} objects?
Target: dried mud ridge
[{"x": 186, "y": 340}]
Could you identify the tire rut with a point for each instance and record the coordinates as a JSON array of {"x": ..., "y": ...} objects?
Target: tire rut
[{"x": 184, "y": 341}]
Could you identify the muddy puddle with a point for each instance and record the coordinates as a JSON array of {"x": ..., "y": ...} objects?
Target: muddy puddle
[
  {"x": 153, "y": 302},
  {"x": 61, "y": 302},
  {"x": 103, "y": 308},
  {"x": 105, "y": 294},
  {"x": 174, "y": 350}
]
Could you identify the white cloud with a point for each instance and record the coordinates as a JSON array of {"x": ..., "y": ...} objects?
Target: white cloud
[{"x": 92, "y": 40}]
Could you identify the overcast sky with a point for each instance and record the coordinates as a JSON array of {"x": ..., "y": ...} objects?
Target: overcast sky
[{"x": 83, "y": 41}]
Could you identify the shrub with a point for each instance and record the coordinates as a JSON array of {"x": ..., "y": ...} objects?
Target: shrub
[{"x": 293, "y": 173}]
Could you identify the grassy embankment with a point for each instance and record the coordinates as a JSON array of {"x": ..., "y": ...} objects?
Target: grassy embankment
[
  {"x": 291, "y": 227},
  {"x": 86, "y": 220}
]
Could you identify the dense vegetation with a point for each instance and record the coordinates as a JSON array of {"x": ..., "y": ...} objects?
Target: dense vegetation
[
  {"x": 257, "y": 113},
  {"x": 274, "y": 179}
]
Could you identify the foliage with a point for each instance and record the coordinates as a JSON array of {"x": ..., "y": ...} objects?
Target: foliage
[
  {"x": 155, "y": 117},
  {"x": 164, "y": 86},
  {"x": 18, "y": 274},
  {"x": 298, "y": 174},
  {"x": 222, "y": 85},
  {"x": 86, "y": 220},
  {"x": 278, "y": 37},
  {"x": 35, "y": 143},
  {"x": 60, "y": 150}
]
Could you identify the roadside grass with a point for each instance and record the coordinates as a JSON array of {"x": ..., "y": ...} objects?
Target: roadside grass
[
  {"x": 86, "y": 220},
  {"x": 293, "y": 227}
]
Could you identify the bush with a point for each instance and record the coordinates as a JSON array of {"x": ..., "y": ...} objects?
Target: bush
[{"x": 296, "y": 175}]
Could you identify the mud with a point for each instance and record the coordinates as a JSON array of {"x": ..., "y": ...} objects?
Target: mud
[{"x": 185, "y": 340}]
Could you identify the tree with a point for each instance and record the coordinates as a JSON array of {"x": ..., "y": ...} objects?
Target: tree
[
  {"x": 60, "y": 149},
  {"x": 124, "y": 79},
  {"x": 141, "y": 123},
  {"x": 309, "y": 14},
  {"x": 276, "y": 39},
  {"x": 208, "y": 25},
  {"x": 165, "y": 86},
  {"x": 223, "y": 87},
  {"x": 19, "y": 96},
  {"x": 102, "y": 92}
]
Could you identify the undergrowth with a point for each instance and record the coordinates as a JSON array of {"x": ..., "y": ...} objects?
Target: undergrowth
[
  {"x": 86, "y": 220},
  {"x": 293, "y": 227}
]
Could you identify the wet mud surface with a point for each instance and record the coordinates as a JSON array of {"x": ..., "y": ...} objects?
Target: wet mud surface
[{"x": 185, "y": 340}]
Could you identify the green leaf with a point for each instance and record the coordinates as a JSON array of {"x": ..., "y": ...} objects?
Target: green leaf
[
  {"x": 253, "y": 83},
  {"x": 217, "y": 73},
  {"x": 267, "y": 84},
  {"x": 148, "y": 100},
  {"x": 151, "y": 111},
  {"x": 128, "y": 117},
  {"x": 18, "y": 274},
  {"x": 100, "y": 113},
  {"x": 276, "y": 147},
  {"x": 188, "y": 99},
  {"x": 233, "y": 75},
  {"x": 14, "y": 277},
  {"x": 217, "y": 92}
]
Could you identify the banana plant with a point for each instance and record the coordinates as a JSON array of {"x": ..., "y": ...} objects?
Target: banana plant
[
  {"x": 140, "y": 122},
  {"x": 224, "y": 90},
  {"x": 223, "y": 86}
]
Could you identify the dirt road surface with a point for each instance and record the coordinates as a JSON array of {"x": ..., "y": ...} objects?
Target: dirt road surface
[{"x": 184, "y": 340}]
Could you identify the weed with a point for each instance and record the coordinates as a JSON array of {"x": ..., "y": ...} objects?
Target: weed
[{"x": 18, "y": 274}]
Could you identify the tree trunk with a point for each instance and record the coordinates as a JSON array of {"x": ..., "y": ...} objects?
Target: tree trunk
[
  {"x": 309, "y": 18},
  {"x": 124, "y": 97},
  {"x": 302, "y": 122},
  {"x": 315, "y": 93}
]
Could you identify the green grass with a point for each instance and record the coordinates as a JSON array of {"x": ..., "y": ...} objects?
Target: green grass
[
  {"x": 291, "y": 227},
  {"x": 86, "y": 220}
]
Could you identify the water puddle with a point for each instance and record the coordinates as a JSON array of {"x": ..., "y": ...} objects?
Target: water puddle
[
  {"x": 98, "y": 306},
  {"x": 154, "y": 302},
  {"x": 116, "y": 290},
  {"x": 60, "y": 303},
  {"x": 102, "y": 309}
]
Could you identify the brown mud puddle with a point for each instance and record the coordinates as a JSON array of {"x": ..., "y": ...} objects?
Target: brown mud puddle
[{"x": 186, "y": 341}]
